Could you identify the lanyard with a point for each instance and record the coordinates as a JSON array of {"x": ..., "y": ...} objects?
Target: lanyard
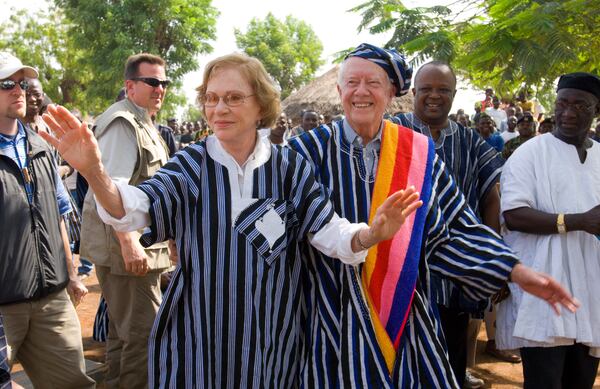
[{"x": 25, "y": 170}]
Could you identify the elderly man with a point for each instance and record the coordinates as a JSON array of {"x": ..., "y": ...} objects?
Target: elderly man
[
  {"x": 36, "y": 271},
  {"x": 129, "y": 275},
  {"x": 374, "y": 326},
  {"x": 551, "y": 208}
]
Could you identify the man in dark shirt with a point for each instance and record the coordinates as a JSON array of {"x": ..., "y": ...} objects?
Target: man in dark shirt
[{"x": 526, "y": 128}]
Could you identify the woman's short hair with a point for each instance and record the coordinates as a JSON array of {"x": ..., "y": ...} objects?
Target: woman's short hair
[{"x": 266, "y": 93}]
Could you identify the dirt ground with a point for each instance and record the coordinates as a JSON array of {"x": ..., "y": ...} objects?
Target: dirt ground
[{"x": 496, "y": 374}]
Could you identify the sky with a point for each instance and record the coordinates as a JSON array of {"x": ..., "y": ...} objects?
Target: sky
[{"x": 335, "y": 27}]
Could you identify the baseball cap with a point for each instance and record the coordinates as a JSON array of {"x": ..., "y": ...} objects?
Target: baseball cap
[{"x": 9, "y": 65}]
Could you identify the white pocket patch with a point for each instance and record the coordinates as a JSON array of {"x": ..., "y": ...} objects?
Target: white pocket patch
[{"x": 271, "y": 226}]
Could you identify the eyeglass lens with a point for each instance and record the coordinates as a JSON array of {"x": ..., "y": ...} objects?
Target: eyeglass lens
[{"x": 10, "y": 84}]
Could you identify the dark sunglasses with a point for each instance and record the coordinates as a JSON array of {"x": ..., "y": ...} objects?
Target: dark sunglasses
[
  {"x": 10, "y": 84},
  {"x": 153, "y": 82}
]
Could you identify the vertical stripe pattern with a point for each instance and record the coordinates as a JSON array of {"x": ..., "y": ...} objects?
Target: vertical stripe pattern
[
  {"x": 475, "y": 167},
  {"x": 4, "y": 369},
  {"x": 339, "y": 345},
  {"x": 231, "y": 315}
]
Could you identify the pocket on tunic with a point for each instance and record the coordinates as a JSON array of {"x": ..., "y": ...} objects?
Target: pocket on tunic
[{"x": 266, "y": 224}]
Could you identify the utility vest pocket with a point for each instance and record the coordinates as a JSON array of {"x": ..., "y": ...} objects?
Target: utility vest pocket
[{"x": 151, "y": 161}]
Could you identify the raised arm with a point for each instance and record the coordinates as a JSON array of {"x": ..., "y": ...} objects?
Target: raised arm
[
  {"x": 470, "y": 253},
  {"x": 389, "y": 217},
  {"x": 349, "y": 241},
  {"x": 78, "y": 146}
]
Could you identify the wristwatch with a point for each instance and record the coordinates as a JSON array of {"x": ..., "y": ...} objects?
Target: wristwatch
[{"x": 560, "y": 224}]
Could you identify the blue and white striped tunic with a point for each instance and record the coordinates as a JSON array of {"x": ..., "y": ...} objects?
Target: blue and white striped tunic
[
  {"x": 472, "y": 162},
  {"x": 4, "y": 368},
  {"x": 339, "y": 344},
  {"x": 231, "y": 315},
  {"x": 475, "y": 166}
]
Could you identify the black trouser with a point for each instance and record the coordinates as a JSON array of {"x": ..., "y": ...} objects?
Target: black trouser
[
  {"x": 560, "y": 367},
  {"x": 455, "y": 324}
]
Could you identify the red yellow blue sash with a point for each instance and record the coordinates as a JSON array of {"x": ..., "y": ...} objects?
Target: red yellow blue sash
[{"x": 390, "y": 272}]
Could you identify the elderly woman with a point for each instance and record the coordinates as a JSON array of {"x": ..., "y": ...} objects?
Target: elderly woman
[{"x": 237, "y": 208}]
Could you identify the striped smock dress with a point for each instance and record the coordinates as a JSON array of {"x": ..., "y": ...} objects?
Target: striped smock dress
[
  {"x": 231, "y": 315},
  {"x": 339, "y": 344}
]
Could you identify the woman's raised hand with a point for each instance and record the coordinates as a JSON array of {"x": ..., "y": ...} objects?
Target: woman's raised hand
[{"x": 73, "y": 139}]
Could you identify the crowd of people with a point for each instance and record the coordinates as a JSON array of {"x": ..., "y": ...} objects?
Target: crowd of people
[{"x": 355, "y": 249}]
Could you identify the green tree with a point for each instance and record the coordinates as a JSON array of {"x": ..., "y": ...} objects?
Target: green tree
[
  {"x": 289, "y": 50},
  {"x": 505, "y": 44},
  {"x": 110, "y": 31},
  {"x": 42, "y": 41},
  {"x": 192, "y": 113}
]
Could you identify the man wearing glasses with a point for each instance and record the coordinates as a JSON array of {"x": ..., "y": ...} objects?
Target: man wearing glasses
[
  {"x": 551, "y": 208},
  {"x": 36, "y": 271},
  {"x": 129, "y": 275}
]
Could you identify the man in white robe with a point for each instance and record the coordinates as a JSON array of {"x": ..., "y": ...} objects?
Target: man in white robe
[{"x": 550, "y": 190}]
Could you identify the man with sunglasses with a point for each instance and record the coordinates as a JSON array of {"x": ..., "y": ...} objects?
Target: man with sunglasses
[
  {"x": 41, "y": 325},
  {"x": 129, "y": 275}
]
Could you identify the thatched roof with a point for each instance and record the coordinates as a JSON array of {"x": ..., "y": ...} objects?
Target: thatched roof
[{"x": 322, "y": 96}]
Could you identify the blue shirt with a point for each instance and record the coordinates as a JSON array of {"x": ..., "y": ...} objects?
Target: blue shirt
[
  {"x": 370, "y": 151},
  {"x": 15, "y": 147},
  {"x": 496, "y": 141}
]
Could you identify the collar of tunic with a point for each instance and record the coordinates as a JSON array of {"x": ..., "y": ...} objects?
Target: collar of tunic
[
  {"x": 423, "y": 128},
  {"x": 240, "y": 177}
]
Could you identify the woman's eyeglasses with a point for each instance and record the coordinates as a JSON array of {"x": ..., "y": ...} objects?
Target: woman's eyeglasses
[
  {"x": 153, "y": 82},
  {"x": 232, "y": 99},
  {"x": 10, "y": 84}
]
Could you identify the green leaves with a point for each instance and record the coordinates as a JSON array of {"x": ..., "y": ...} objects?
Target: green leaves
[
  {"x": 42, "y": 41},
  {"x": 176, "y": 30},
  {"x": 81, "y": 46},
  {"x": 505, "y": 44},
  {"x": 289, "y": 50}
]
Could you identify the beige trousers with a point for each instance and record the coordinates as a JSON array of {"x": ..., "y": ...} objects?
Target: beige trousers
[
  {"x": 45, "y": 337},
  {"x": 132, "y": 306}
]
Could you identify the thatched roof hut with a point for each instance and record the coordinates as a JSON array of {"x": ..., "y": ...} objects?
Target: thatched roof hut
[{"x": 321, "y": 95}]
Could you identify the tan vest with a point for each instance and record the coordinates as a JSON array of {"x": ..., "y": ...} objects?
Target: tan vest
[{"x": 98, "y": 240}]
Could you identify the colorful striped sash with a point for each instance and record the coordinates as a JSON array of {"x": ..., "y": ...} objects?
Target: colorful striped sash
[{"x": 390, "y": 273}]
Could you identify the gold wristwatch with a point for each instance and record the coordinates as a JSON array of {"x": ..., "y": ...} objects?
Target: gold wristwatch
[{"x": 560, "y": 224}]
